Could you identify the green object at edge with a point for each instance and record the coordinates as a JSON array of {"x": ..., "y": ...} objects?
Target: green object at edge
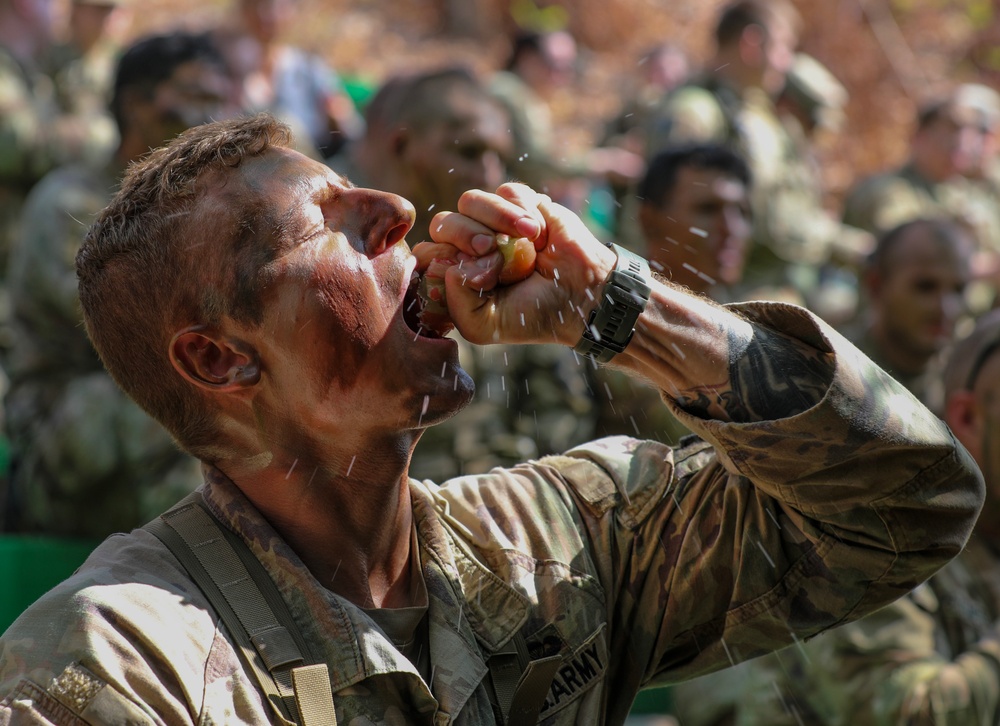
[{"x": 30, "y": 566}]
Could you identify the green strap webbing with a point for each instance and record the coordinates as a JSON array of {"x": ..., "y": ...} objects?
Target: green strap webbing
[
  {"x": 519, "y": 685},
  {"x": 239, "y": 588}
]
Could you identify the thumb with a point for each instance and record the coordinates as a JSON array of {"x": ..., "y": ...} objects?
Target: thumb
[{"x": 470, "y": 305}]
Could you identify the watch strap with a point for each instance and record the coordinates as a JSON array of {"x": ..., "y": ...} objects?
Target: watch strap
[{"x": 612, "y": 323}]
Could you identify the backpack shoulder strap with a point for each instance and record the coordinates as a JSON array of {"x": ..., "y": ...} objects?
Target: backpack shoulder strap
[
  {"x": 520, "y": 685},
  {"x": 267, "y": 639}
]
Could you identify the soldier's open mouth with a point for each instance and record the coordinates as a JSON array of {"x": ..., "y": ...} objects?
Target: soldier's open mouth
[{"x": 413, "y": 311}]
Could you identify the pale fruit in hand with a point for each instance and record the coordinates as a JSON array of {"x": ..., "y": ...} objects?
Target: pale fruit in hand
[{"x": 518, "y": 258}]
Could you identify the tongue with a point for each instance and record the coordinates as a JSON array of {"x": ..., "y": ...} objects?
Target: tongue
[{"x": 433, "y": 315}]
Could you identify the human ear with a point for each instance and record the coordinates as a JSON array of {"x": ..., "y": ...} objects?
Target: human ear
[
  {"x": 961, "y": 415},
  {"x": 399, "y": 141},
  {"x": 212, "y": 362}
]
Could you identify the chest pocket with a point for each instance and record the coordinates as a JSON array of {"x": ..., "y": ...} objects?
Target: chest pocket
[{"x": 579, "y": 671}]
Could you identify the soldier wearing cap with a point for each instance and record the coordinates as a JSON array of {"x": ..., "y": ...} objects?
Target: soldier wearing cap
[
  {"x": 813, "y": 96},
  {"x": 734, "y": 104}
]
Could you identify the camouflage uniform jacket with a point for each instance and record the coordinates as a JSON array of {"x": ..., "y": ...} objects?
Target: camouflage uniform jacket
[
  {"x": 637, "y": 563},
  {"x": 927, "y": 385},
  {"x": 884, "y": 201},
  {"x": 88, "y": 461},
  {"x": 36, "y": 136},
  {"x": 931, "y": 658}
]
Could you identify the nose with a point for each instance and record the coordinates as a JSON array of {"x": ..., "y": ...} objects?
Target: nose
[
  {"x": 735, "y": 223},
  {"x": 382, "y": 219},
  {"x": 494, "y": 171},
  {"x": 952, "y": 306}
]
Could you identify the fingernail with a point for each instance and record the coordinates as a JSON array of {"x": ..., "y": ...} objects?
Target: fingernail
[
  {"x": 484, "y": 263},
  {"x": 482, "y": 243},
  {"x": 527, "y": 227}
]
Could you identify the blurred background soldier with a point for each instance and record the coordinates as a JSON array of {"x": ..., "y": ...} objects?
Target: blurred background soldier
[
  {"x": 35, "y": 133},
  {"x": 294, "y": 84},
  {"x": 733, "y": 104},
  {"x": 914, "y": 297},
  {"x": 943, "y": 144},
  {"x": 978, "y": 197},
  {"x": 811, "y": 107},
  {"x": 87, "y": 460},
  {"x": 82, "y": 66},
  {"x": 695, "y": 217}
]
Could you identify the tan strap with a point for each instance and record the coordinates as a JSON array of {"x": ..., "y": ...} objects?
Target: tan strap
[
  {"x": 313, "y": 695},
  {"x": 235, "y": 582}
]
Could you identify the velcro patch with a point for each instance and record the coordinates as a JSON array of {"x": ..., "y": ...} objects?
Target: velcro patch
[{"x": 577, "y": 674}]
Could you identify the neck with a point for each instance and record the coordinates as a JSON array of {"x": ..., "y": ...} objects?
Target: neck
[
  {"x": 902, "y": 361},
  {"x": 730, "y": 68},
  {"x": 928, "y": 169},
  {"x": 346, "y": 514}
]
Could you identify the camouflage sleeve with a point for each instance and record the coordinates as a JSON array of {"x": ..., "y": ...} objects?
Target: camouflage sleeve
[
  {"x": 880, "y": 203},
  {"x": 788, "y": 527},
  {"x": 42, "y": 269},
  {"x": 93, "y": 651}
]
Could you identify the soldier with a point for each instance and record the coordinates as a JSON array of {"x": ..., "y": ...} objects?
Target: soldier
[
  {"x": 260, "y": 305},
  {"x": 931, "y": 657},
  {"x": 978, "y": 197},
  {"x": 87, "y": 460},
  {"x": 540, "y": 63},
  {"x": 35, "y": 134},
  {"x": 811, "y": 107},
  {"x": 811, "y": 101},
  {"x": 83, "y": 67},
  {"x": 915, "y": 285},
  {"x": 289, "y": 81},
  {"x": 946, "y": 140},
  {"x": 695, "y": 216},
  {"x": 430, "y": 137},
  {"x": 733, "y": 104}
]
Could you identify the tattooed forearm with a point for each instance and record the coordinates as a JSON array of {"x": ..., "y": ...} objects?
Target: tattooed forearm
[{"x": 770, "y": 377}]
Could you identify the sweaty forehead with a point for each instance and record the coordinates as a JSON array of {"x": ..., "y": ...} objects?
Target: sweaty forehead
[{"x": 263, "y": 197}]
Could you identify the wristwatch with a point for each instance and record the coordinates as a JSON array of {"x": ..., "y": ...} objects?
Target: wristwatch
[{"x": 612, "y": 323}]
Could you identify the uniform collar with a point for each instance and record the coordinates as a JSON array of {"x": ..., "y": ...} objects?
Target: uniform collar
[{"x": 472, "y": 612}]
